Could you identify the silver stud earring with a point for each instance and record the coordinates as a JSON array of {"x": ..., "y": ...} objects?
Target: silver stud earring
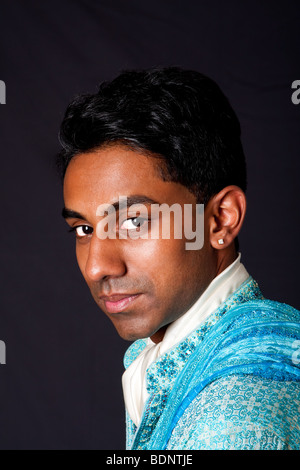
[{"x": 221, "y": 241}]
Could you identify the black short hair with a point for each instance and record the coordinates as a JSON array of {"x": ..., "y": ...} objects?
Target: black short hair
[{"x": 179, "y": 115}]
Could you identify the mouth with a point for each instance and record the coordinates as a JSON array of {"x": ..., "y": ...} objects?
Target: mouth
[{"x": 119, "y": 302}]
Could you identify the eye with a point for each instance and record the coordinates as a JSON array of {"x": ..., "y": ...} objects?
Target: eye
[
  {"x": 133, "y": 223},
  {"x": 82, "y": 230}
]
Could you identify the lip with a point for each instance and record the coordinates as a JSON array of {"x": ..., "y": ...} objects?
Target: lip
[{"x": 118, "y": 302}]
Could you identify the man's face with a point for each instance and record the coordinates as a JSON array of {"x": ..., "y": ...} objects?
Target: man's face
[{"x": 141, "y": 284}]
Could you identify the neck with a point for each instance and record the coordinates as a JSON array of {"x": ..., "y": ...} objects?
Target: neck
[
  {"x": 224, "y": 259},
  {"x": 159, "y": 335}
]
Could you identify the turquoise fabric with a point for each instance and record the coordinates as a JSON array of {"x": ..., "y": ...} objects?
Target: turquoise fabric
[
  {"x": 241, "y": 412},
  {"x": 234, "y": 383}
]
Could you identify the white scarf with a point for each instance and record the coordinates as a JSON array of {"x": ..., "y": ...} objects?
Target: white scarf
[{"x": 134, "y": 378}]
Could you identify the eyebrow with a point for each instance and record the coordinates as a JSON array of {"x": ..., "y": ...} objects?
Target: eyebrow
[
  {"x": 118, "y": 205},
  {"x": 70, "y": 214}
]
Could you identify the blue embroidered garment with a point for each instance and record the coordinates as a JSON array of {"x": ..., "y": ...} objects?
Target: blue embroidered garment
[{"x": 233, "y": 383}]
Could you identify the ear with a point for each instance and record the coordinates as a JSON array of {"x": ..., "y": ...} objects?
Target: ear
[{"x": 226, "y": 212}]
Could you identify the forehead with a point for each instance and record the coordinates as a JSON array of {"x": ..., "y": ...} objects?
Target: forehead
[{"x": 102, "y": 176}]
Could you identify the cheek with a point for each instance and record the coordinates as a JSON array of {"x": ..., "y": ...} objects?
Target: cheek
[
  {"x": 166, "y": 262},
  {"x": 82, "y": 257},
  {"x": 147, "y": 253}
]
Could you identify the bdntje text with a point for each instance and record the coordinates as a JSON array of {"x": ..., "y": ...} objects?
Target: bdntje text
[{"x": 152, "y": 459}]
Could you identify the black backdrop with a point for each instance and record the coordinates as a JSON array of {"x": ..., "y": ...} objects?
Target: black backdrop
[{"x": 61, "y": 386}]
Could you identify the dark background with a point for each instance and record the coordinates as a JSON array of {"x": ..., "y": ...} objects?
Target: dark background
[{"x": 61, "y": 386}]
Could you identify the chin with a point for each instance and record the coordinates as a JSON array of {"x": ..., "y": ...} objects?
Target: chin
[
  {"x": 129, "y": 336},
  {"x": 133, "y": 334}
]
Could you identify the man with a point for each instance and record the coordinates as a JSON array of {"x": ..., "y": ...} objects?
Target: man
[{"x": 213, "y": 364}]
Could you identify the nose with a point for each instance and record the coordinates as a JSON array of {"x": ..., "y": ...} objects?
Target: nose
[{"x": 104, "y": 260}]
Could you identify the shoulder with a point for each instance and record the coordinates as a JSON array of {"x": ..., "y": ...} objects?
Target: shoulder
[
  {"x": 273, "y": 305},
  {"x": 241, "y": 412},
  {"x": 262, "y": 310}
]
